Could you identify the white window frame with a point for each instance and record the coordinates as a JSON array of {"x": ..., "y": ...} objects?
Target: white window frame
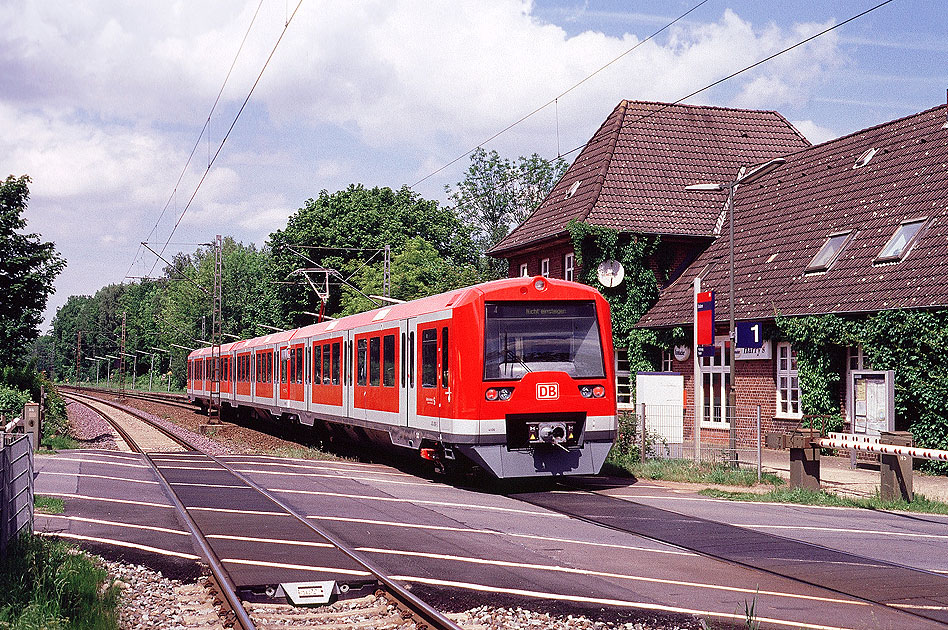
[
  {"x": 787, "y": 383},
  {"x": 545, "y": 267},
  {"x": 623, "y": 380},
  {"x": 524, "y": 270},
  {"x": 667, "y": 361},
  {"x": 715, "y": 376},
  {"x": 568, "y": 266}
]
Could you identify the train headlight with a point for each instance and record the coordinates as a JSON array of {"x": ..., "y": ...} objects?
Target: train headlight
[
  {"x": 586, "y": 391},
  {"x": 539, "y": 284},
  {"x": 498, "y": 393},
  {"x": 599, "y": 391}
]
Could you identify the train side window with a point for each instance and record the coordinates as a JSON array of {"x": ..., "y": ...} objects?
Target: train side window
[
  {"x": 403, "y": 360},
  {"x": 284, "y": 360},
  {"x": 411, "y": 359},
  {"x": 363, "y": 349},
  {"x": 317, "y": 364},
  {"x": 307, "y": 364},
  {"x": 299, "y": 366},
  {"x": 388, "y": 360},
  {"x": 270, "y": 367},
  {"x": 374, "y": 361},
  {"x": 444, "y": 357},
  {"x": 335, "y": 363},
  {"x": 429, "y": 357},
  {"x": 326, "y": 364}
]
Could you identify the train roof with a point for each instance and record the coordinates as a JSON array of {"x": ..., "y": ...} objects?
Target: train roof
[{"x": 508, "y": 288}]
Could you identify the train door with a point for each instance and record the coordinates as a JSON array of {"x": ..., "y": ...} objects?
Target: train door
[
  {"x": 347, "y": 373},
  {"x": 284, "y": 361},
  {"x": 433, "y": 392},
  {"x": 404, "y": 365}
]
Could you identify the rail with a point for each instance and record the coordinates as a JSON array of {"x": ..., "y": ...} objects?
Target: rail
[{"x": 431, "y": 617}]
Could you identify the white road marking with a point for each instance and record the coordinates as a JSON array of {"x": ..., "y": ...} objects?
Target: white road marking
[
  {"x": 605, "y": 574},
  {"x": 919, "y": 606},
  {"x": 420, "y": 502},
  {"x": 276, "y": 459},
  {"x": 844, "y": 530},
  {"x": 84, "y": 519},
  {"x": 163, "y": 467},
  {"x": 491, "y": 532},
  {"x": 611, "y": 602},
  {"x": 300, "y": 567},
  {"x": 67, "y": 495},
  {"x": 336, "y": 476},
  {"x": 322, "y": 467},
  {"x": 278, "y": 541},
  {"x": 120, "y": 543},
  {"x": 233, "y": 511},
  {"x": 207, "y": 485},
  {"x": 83, "y": 456},
  {"x": 86, "y": 460},
  {"x": 63, "y": 474}
]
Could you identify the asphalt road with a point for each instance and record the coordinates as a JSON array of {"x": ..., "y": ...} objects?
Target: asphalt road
[{"x": 466, "y": 547}]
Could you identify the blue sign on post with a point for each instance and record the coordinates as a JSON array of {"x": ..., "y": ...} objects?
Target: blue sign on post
[{"x": 750, "y": 335}]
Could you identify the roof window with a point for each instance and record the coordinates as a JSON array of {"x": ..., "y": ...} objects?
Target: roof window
[
  {"x": 863, "y": 159},
  {"x": 830, "y": 251},
  {"x": 572, "y": 189},
  {"x": 900, "y": 243}
]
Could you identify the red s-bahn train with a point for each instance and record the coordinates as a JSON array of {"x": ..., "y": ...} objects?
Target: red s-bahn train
[{"x": 515, "y": 376}]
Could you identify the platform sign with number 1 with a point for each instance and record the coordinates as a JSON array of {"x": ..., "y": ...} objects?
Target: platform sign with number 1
[{"x": 750, "y": 335}]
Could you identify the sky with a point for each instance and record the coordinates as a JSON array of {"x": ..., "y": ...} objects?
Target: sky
[{"x": 118, "y": 111}]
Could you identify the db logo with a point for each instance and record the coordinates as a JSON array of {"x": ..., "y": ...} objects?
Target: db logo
[{"x": 548, "y": 391}]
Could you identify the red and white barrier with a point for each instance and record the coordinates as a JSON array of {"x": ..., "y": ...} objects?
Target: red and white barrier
[
  {"x": 885, "y": 449},
  {"x": 852, "y": 437}
]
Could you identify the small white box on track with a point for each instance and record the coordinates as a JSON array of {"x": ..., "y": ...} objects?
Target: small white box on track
[{"x": 308, "y": 593}]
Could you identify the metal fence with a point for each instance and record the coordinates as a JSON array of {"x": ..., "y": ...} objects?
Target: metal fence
[
  {"x": 670, "y": 433},
  {"x": 16, "y": 487}
]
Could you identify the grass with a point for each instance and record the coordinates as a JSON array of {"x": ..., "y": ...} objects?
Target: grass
[
  {"x": 59, "y": 442},
  {"x": 48, "y": 505},
  {"x": 48, "y": 585},
  {"x": 303, "y": 452},
  {"x": 688, "y": 471},
  {"x": 785, "y": 494}
]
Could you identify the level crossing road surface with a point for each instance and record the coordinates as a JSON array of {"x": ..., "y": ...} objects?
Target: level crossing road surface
[{"x": 464, "y": 547}]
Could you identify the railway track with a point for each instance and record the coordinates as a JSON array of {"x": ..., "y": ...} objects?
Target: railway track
[
  {"x": 172, "y": 400},
  {"x": 250, "y": 585}
]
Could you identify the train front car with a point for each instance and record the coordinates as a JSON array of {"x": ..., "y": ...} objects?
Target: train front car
[{"x": 545, "y": 392}]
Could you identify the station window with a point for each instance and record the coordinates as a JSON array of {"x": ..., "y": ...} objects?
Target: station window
[
  {"x": 569, "y": 266},
  {"x": 523, "y": 270},
  {"x": 788, "y": 382},
  {"x": 388, "y": 360},
  {"x": 623, "y": 379},
  {"x": 429, "y": 357},
  {"x": 900, "y": 243},
  {"x": 363, "y": 355},
  {"x": 545, "y": 267}
]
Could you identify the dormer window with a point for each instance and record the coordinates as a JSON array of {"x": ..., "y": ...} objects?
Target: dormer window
[
  {"x": 830, "y": 251},
  {"x": 902, "y": 241}
]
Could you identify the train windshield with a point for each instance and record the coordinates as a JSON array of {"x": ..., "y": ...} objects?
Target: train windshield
[{"x": 521, "y": 337}]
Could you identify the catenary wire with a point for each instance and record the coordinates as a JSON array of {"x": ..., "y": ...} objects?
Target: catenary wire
[
  {"x": 198, "y": 141},
  {"x": 556, "y": 98},
  {"x": 750, "y": 67}
]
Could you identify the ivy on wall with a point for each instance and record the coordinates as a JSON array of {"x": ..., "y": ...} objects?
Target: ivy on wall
[
  {"x": 637, "y": 292},
  {"x": 913, "y": 343}
]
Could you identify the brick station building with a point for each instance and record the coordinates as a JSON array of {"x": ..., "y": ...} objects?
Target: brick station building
[{"x": 853, "y": 226}]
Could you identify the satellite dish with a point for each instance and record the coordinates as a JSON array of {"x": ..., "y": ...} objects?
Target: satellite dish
[{"x": 610, "y": 273}]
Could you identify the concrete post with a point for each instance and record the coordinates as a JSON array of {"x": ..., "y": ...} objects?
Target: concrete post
[
  {"x": 896, "y": 470},
  {"x": 31, "y": 422},
  {"x": 804, "y": 462}
]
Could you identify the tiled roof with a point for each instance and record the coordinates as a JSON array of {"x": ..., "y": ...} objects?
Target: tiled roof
[
  {"x": 783, "y": 220},
  {"x": 633, "y": 171}
]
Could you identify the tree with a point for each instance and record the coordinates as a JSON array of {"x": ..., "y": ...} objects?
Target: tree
[
  {"x": 498, "y": 194},
  {"x": 347, "y": 229},
  {"x": 28, "y": 268}
]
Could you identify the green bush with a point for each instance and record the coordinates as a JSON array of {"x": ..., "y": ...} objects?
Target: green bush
[
  {"x": 12, "y": 401},
  {"x": 28, "y": 382},
  {"x": 46, "y": 584}
]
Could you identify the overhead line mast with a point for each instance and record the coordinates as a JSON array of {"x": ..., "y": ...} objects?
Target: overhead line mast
[{"x": 214, "y": 410}]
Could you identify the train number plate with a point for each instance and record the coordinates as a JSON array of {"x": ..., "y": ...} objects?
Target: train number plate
[{"x": 548, "y": 391}]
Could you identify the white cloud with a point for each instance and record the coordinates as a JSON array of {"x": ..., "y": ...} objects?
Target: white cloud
[{"x": 813, "y": 132}]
